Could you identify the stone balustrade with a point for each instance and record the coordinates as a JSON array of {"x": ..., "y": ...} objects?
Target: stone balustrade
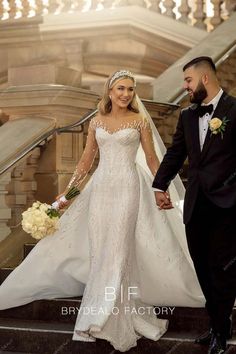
[
  {"x": 22, "y": 187},
  {"x": 206, "y": 14},
  {"x": 44, "y": 172},
  {"x": 17, "y": 192}
]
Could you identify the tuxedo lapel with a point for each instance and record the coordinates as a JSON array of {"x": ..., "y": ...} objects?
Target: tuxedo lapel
[
  {"x": 220, "y": 112},
  {"x": 195, "y": 129}
]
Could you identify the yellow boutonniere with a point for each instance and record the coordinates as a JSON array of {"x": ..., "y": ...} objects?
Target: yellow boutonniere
[{"x": 217, "y": 125}]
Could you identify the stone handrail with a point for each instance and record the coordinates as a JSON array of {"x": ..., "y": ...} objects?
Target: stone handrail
[{"x": 205, "y": 14}]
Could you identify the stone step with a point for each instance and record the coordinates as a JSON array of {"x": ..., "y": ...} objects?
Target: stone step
[
  {"x": 46, "y": 326},
  {"x": 28, "y": 248},
  {"x": 4, "y": 272},
  {"x": 33, "y": 337},
  {"x": 7, "y": 352},
  {"x": 65, "y": 311},
  {"x": 61, "y": 310}
]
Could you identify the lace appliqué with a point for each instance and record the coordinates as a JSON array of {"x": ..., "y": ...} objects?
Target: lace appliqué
[
  {"x": 141, "y": 124},
  {"x": 86, "y": 161},
  {"x": 137, "y": 124}
]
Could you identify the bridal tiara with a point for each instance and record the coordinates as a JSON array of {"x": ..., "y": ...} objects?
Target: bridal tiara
[{"x": 122, "y": 73}]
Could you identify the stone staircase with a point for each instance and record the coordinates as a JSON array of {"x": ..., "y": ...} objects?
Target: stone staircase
[{"x": 46, "y": 327}]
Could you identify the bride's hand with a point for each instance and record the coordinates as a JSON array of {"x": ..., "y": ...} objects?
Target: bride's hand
[
  {"x": 62, "y": 204},
  {"x": 163, "y": 200}
]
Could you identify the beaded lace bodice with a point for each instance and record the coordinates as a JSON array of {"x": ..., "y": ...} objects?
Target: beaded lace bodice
[
  {"x": 115, "y": 146},
  {"x": 116, "y": 150}
]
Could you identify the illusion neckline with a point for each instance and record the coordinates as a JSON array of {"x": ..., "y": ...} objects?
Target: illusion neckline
[{"x": 116, "y": 131}]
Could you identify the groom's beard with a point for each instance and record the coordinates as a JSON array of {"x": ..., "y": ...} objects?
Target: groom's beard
[{"x": 199, "y": 94}]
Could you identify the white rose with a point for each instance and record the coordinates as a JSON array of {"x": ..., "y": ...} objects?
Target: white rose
[
  {"x": 215, "y": 123},
  {"x": 27, "y": 227},
  {"x": 42, "y": 229},
  {"x": 43, "y": 207},
  {"x": 36, "y": 235},
  {"x": 36, "y": 204}
]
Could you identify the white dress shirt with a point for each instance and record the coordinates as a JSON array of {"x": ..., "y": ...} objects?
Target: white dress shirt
[
  {"x": 204, "y": 123},
  {"x": 204, "y": 120}
]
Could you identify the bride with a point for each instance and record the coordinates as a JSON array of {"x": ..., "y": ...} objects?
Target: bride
[{"x": 113, "y": 237}]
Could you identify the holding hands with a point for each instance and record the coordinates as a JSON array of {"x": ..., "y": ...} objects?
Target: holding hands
[{"x": 163, "y": 200}]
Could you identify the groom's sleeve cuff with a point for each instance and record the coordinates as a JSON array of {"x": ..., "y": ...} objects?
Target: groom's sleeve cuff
[{"x": 157, "y": 190}]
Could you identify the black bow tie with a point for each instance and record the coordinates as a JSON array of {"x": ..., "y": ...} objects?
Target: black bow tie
[{"x": 202, "y": 110}]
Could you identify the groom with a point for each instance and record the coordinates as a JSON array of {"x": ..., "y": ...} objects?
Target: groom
[{"x": 206, "y": 134}]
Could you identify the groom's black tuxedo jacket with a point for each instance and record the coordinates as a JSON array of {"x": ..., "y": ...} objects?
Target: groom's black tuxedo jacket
[{"x": 214, "y": 168}]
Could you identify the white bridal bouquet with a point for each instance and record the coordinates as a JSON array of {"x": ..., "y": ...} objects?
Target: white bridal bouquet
[{"x": 41, "y": 219}]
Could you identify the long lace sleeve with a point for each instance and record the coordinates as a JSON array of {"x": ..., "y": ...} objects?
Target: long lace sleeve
[
  {"x": 86, "y": 161},
  {"x": 148, "y": 146}
]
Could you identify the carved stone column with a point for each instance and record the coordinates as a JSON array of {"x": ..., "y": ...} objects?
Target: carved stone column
[
  {"x": 39, "y": 7},
  {"x": 76, "y": 5},
  {"x": 29, "y": 184},
  {"x": 169, "y": 6},
  {"x": 155, "y": 5},
  {"x": 53, "y": 6},
  {"x": 5, "y": 214},
  {"x": 15, "y": 198},
  {"x": 25, "y": 8},
  {"x": 216, "y": 19},
  {"x": 12, "y": 8},
  {"x": 22, "y": 188},
  {"x": 199, "y": 14},
  {"x": 184, "y": 10},
  {"x": 1, "y": 9}
]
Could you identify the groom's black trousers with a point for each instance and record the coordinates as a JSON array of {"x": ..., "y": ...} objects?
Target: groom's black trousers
[{"x": 211, "y": 237}]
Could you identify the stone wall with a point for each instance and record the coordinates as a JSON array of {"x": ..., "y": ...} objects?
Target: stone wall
[{"x": 227, "y": 74}]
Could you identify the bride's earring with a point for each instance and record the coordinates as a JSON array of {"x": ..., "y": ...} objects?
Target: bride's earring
[{"x": 110, "y": 97}]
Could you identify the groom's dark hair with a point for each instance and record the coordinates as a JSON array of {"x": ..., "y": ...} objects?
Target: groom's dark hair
[{"x": 199, "y": 61}]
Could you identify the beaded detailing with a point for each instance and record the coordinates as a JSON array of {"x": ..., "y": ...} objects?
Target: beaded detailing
[
  {"x": 86, "y": 160},
  {"x": 77, "y": 178},
  {"x": 137, "y": 124},
  {"x": 91, "y": 148},
  {"x": 121, "y": 73}
]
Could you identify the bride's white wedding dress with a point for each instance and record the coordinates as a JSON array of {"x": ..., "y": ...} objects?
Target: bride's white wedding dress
[{"x": 113, "y": 237}]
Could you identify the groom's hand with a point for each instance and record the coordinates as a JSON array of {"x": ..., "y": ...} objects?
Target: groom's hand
[{"x": 163, "y": 200}]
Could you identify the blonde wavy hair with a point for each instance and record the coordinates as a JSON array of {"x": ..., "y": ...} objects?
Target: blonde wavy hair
[{"x": 105, "y": 105}]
